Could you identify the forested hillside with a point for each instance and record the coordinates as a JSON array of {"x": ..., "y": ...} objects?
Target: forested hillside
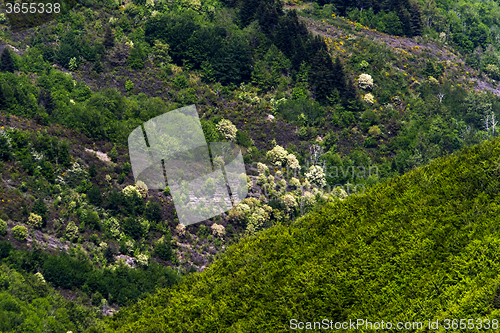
[
  {"x": 326, "y": 99},
  {"x": 422, "y": 245}
]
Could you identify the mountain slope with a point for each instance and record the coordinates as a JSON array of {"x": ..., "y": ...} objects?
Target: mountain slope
[{"x": 420, "y": 246}]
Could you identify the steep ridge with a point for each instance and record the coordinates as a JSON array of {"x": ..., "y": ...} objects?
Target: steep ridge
[
  {"x": 416, "y": 247},
  {"x": 404, "y": 46}
]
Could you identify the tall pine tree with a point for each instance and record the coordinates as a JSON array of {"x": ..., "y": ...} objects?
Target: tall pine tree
[{"x": 6, "y": 61}]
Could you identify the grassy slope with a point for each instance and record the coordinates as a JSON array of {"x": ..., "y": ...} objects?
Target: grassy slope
[{"x": 419, "y": 246}]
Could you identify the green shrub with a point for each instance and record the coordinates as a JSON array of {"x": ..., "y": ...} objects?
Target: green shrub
[
  {"x": 3, "y": 227},
  {"x": 20, "y": 232}
]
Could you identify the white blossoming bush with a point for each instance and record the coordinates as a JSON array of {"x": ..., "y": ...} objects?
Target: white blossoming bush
[
  {"x": 262, "y": 168},
  {"x": 181, "y": 229},
  {"x": 294, "y": 182},
  {"x": 141, "y": 260},
  {"x": 131, "y": 190},
  {"x": 282, "y": 184},
  {"x": 289, "y": 201},
  {"x": 142, "y": 188},
  {"x": 365, "y": 81},
  {"x": 292, "y": 162},
  {"x": 368, "y": 98},
  {"x": 277, "y": 156},
  {"x": 35, "y": 220},
  {"x": 227, "y": 129},
  {"x": 308, "y": 199},
  {"x": 261, "y": 179},
  {"x": 218, "y": 230},
  {"x": 40, "y": 277},
  {"x": 316, "y": 175}
]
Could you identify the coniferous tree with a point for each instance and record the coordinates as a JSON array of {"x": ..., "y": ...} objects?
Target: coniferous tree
[
  {"x": 109, "y": 38},
  {"x": 416, "y": 19},
  {"x": 6, "y": 61},
  {"x": 98, "y": 68}
]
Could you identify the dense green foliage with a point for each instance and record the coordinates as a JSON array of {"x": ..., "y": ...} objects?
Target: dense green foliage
[
  {"x": 404, "y": 251},
  {"x": 28, "y": 304},
  {"x": 121, "y": 285}
]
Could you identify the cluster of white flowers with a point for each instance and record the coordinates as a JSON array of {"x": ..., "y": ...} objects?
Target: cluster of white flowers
[
  {"x": 294, "y": 182},
  {"x": 277, "y": 156},
  {"x": 131, "y": 190},
  {"x": 218, "y": 229},
  {"x": 262, "y": 167},
  {"x": 368, "y": 98},
  {"x": 365, "y": 81},
  {"x": 308, "y": 199},
  {"x": 181, "y": 229},
  {"x": 227, "y": 129},
  {"x": 142, "y": 188},
  {"x": 289, "y": 201},
  {"x": 292, "y": 162},
  {"x": 316, "y": 175}
]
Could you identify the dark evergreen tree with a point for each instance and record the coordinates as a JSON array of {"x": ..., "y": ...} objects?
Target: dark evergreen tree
[
  {"x": 416, "y": 19},
  {"x": 109, "y": 38},
  {"x": 98, "y": 68},
  {"x": 6, "y": 61},
  {"x": 46, "y": 100},
  {"x": 135, "y": 58},
  {"x": 247, "y": 12},
  {"x": 94, "y": 195}
]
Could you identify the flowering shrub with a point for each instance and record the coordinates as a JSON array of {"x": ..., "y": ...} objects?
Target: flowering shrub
[
  {"x": 181, "y": 229},
  {"x": 227, "y": 129},
  {"x": 40, "y": 277},
  {"x": 289, "y": 201},
  {"x": 294, "y": 182},
  {"x": 218, "y": 230},
  {"x": 142, "y": 188},
  {"x": 292, "y": 162},
  {"x": 368, "y": 98},
  {"x": 365, "y": 81},
  {"x": 131, "y": 190},
  {"x": 316, "y": 175},
  {"x": 71, "y": 231},
  {"x": 35, "y": 220},
  {"x": 277, "y": 156},
  {"x": 261, "y": 179},
  {"x": 20, "y": 232},
  {"x": 308, "y": 199},
  {"x": 262, "y": 168}
]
